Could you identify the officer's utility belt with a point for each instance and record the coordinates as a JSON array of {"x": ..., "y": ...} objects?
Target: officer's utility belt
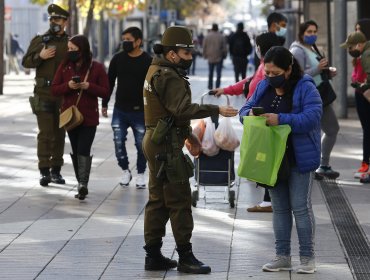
[
  {"x": 42, "y": 82},
  {"x": 165, "y": 129},
  {"x": 39, "y": 105}
]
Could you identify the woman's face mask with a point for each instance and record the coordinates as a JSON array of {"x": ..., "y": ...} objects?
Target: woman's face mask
[
  {"x": 276, "y": 81},
  {"x": 74, "y": 56},
  {"x": 185, "y": 63},
  {"x": 310, "y": 40}
]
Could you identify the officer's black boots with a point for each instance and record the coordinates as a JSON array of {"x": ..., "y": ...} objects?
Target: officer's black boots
[
  {"x": 188, "y": 263},
  {"x": 84, "y": 167},
  {"x": 55, "y": 175},
  {"x": 154, "y": 259},
  {"x": 45, "y": 178}
]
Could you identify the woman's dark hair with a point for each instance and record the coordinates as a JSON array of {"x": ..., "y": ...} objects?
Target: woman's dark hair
[
  {"x": 303, "y": 27},
  {"x": 267, "y": 40},
  {"x": 283, "y": 58},
  {"x": 364, "y": 24},
  {"x": 84, "y": 48},
  {"x": 160, "y": 49}
]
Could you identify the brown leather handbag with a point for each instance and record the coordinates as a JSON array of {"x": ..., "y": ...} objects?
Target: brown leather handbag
[{"x": 72, "y": 117}]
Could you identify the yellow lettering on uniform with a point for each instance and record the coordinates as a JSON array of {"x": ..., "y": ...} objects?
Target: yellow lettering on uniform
[{"x": 145, "y": 101}]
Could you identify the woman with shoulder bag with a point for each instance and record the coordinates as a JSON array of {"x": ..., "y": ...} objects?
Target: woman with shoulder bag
[
  {"x": 315, "y": 65},
  {"x": 78, "y": 77},
  {"x": 290, "y": 97}
]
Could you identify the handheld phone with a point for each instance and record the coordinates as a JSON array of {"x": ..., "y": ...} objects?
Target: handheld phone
[
  {"x": 76, "y": 79},
  {"x": 258, "y": 111}
]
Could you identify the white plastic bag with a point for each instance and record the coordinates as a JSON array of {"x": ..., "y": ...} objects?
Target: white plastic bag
[
  {"x": 209, "y": 146},
  {"x": 225, "y": 136}
]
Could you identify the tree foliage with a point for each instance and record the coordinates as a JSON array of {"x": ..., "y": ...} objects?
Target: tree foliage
[{"x": 39, "y": 2}]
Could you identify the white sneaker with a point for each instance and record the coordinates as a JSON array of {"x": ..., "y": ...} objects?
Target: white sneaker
[
  {"x": 140, "y": 181},
  {"x": 126, "y": 178},
  {"x": 280, "y": 263},
  {"x": 307, "y": 265}
]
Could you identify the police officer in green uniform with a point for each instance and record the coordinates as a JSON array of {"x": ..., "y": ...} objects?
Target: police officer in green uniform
[
  {"x": 168, "y": 111},
  {"x": 45, "y": 54}
]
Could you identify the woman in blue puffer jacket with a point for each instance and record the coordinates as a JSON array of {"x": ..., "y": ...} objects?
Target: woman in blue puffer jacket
[{"x": 290, "y": 97}]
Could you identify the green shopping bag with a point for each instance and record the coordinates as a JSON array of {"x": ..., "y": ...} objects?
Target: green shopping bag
[{"x": 261, "y": 150}]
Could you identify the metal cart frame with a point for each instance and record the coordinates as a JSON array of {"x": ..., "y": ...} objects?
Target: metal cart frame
[{"x": 225, "y": 158}]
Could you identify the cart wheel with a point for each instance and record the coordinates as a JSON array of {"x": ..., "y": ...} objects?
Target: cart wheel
[
  {"x": 194, "y": 198},
  {"x": 232, "y": 199}
]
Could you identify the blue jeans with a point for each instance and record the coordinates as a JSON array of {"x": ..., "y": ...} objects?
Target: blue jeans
[
  {"x": 293, "y": 197},
  {"x": 121, "y": 121},
  {"x": 211, "y": 67}
]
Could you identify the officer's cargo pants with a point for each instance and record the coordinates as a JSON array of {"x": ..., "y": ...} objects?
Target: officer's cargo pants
[
  {"x": 50, "y": 140},
  {"x": 166, "y": 201}
]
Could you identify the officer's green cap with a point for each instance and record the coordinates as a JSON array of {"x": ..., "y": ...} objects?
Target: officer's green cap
[
  {"x": 55, "y": 11},
  {"x": 353, "y": 39},
  {"x": 177, "y": 36}
]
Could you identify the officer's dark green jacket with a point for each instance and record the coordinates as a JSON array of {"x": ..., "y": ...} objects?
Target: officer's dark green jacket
[
  {"x": 167, "y": 92},
  {"x": 45, "y": 69}
]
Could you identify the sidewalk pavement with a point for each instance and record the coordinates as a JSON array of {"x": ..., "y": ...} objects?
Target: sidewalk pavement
[{"x": 45, "y": 233}]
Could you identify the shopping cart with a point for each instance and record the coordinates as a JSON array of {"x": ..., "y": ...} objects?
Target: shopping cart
[{"x": 217, "y": 170}]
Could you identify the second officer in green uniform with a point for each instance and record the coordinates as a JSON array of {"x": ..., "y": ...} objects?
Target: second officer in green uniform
[
  {"x": 168, "y": 111},
  {"x": 45, "y": 54}
]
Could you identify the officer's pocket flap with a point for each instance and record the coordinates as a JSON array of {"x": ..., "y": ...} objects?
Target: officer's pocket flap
[{"x": 179, "y": 169}]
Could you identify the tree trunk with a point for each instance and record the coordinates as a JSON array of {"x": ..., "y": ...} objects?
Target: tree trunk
[
  {"x": 2, "y": 27},
  {"x": 72, "y": 28},
  {"x": 90, "y": 16}
]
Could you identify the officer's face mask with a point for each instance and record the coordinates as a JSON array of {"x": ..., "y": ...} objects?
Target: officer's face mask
[
  {"x": 185, "y": 63},
  {"x": 127, "y": 46},
  {"x": 55, "y": 28},
  {"x": 276, "y": 81},
  {"x": 74, "y": 56}
]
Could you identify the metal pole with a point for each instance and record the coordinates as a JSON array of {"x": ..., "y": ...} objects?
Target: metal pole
[
  {"x": 306, "y": 10},
  {"x": 340, "y": 57},
  {"x": 328, "y": 22}
]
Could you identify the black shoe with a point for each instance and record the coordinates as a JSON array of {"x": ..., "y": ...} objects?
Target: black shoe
[
  {"x": 45, "y": 180},
  {"x": 159, "y": 263},
  {"x": 154, "y": 259},
  {"x": 57, "y": 179},
  {"x": 82, "y": 192},
  {"x": 188, "y": 263}
]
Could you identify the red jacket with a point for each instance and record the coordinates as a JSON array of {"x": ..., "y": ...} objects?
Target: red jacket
[{"x": 88, "y": 105}]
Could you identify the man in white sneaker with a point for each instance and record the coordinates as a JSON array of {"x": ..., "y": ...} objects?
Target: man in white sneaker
[{"x": 129, "y": 68}]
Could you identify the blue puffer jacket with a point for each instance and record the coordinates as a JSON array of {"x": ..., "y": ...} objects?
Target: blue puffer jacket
[{"x": 304, "y": 120}]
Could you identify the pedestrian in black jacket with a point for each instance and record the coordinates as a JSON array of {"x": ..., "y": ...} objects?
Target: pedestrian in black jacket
[
  {"x": 240, "y": 48},
  {"x": 129, "y": 68}
]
